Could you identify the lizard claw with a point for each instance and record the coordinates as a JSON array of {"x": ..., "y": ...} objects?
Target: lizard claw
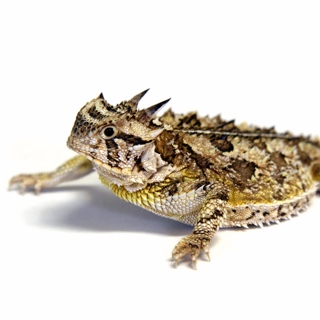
[
  {"x": 175, "y": 262},
  {"x": 206, "y": 250},
  {"x": 194, "y": 262}
]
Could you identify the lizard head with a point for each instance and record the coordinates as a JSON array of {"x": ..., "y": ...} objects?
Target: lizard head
[{"x": 119, "y": 140}]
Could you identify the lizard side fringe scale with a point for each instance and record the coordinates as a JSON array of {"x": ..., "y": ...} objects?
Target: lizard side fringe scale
[{"x": 206, "y": 172}]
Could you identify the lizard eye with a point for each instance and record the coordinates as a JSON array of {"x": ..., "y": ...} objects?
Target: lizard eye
[{"x": 108, "y": 132}]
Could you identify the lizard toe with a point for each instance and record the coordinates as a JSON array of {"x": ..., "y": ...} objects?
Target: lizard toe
[
  {"x": 23, "y": 182},
  {"x": 189, "y": 245}
]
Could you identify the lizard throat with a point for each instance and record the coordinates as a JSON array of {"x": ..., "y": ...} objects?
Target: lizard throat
[
  {"x": 131, "y": 179},
  {"x": 132, "y": 176}
]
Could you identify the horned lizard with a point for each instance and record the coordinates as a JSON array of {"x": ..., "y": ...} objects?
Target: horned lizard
[{"x": 206, "y": 172}]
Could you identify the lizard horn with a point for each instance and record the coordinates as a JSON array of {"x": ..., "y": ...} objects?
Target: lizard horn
[
  {"x": 145, "y": 115},
  {"x": 100, "y": 96},
  {"x": 135, "y": 100},
  {"x": 151, "y": 111}
]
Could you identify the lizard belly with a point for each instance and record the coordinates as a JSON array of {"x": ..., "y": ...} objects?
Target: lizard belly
[
  {"x": 181, "y": 206},
  {"x": 185, "y": 206}
]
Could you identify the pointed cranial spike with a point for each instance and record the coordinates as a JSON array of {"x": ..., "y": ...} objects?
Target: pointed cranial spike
[
  {"x": 100, "y": 96},
  {"x": 135, "y": 100},
  {"x": 154, "y": 133},
  {"x": 145, "y": 115},
  {"x": 151, "y": 111}
]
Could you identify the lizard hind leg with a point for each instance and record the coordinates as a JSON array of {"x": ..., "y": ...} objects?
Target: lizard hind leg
[{"x": 210, "y": 219}]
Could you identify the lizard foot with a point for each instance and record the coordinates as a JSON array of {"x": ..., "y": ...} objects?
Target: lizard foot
[
  {"x": 192, "y": 244},
  {"x": 29, "y": 181}
]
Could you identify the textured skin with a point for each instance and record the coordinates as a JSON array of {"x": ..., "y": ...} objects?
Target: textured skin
[{"x": 202, "y": 171}]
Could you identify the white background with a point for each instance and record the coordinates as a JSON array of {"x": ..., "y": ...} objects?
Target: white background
[{"x": 80, "y": 252}]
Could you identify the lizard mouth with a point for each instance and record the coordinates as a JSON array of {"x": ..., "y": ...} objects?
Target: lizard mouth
[
  {"x": 81, "y": 147},
  {"x": 127, "y": 176},
  {"x": 71, "y": 144}
]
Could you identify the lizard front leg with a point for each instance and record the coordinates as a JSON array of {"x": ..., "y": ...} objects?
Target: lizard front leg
[
  {"x": 72, "y": 169},
  {"x": 210, "y": 219}
]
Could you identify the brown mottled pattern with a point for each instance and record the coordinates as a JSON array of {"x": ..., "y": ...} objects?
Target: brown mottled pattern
[{"x": 203, "y": 171}]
